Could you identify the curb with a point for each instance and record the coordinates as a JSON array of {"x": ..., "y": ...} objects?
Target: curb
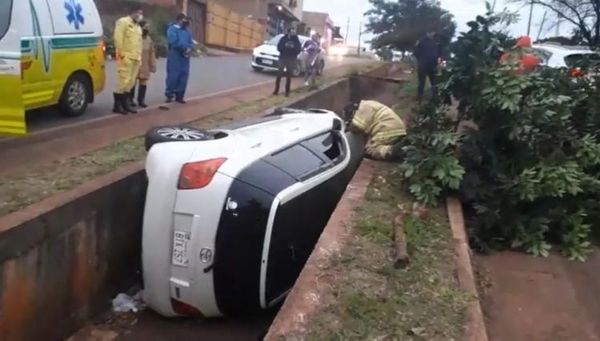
[
  {"x": 475, "y": 329},
  {"x": 305, "y": 296}
]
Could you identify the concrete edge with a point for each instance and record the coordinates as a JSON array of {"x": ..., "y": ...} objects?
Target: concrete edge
[
  {"x": 18, "y": 218},
  {"x": 475, "y": 329},
  {"x": 304, "y": 297}
]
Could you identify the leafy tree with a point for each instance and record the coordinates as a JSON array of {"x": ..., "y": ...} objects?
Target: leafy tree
[
  {"x": 399, "y": 24},
  {"x": 585, "y": 15},
  {"x": 529, "y": 168}
]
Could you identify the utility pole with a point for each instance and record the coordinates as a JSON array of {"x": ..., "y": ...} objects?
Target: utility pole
[
  {"x": 542, "y": 26},
  {"x": 359, "y": 36},
  {"x": 184, "y": 4},
  {"x": 530, "y": 17},
  {"x": 347, "y": 32}
]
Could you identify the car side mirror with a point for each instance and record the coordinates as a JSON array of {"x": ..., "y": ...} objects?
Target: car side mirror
[{"x": 337, "y": 125}]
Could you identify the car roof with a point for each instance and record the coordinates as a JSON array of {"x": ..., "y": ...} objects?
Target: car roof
[{"x": 563, "y": 50}]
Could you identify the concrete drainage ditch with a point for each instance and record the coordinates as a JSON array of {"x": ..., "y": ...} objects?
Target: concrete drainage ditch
[{"x": 63, "y": 260}]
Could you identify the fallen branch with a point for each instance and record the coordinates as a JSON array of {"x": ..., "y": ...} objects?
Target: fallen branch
[{"x": 401, "y": 259}]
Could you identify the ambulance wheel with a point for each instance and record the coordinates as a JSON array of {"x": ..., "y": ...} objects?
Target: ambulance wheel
[
  {"x": 175, "y": 134},
  {"x": 75, "y": 96}
]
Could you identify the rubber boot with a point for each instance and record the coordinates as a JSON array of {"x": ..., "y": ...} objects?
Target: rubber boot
[
  {"x": 142, "y": 96},
  {"x": 131, "y": 97},
  {"x": 125, "y": 99},
  {"x": 117, "y": 107}
]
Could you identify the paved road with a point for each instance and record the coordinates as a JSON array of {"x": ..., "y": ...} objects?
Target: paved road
[{"x": 209, "y": 75}]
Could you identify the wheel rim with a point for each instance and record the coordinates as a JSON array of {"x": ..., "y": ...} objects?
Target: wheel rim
[
  {"x": 176, "y": 133},
  {"x": 76, "y": 96}
]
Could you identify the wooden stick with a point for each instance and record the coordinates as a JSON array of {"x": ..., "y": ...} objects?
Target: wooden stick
[{"x": 401, "y": 259}]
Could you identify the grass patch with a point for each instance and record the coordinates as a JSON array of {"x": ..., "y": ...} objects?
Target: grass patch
[
  {"x": 21, "y": 190},
  {"x": 374, "y": 301}
]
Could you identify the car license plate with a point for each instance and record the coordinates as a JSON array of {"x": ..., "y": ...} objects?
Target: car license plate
[
  {"x": 267, "y": 62},
  {"x": 181, "y": 242}
]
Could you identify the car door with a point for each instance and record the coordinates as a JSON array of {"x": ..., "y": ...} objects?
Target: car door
[
  {"x": 303, "y": 214},
  {"x": 12, "y": 110}
]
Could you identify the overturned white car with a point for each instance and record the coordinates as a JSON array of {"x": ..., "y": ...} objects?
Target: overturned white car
[{"x": 233, "y": 214}]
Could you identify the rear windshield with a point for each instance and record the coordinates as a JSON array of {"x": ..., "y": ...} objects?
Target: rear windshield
[
  {"x": 5, "y": 11},
  {"x": 583, "y": 60}
]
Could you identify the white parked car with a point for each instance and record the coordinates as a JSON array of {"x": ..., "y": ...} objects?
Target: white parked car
[
  {"x": 266, "y": 57},
  {"x": 233, "y": 214},
  {"x": 576, "y": 59}
]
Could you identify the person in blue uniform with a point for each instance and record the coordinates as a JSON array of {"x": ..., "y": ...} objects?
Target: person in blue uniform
[{"x": 181, "y": 45}]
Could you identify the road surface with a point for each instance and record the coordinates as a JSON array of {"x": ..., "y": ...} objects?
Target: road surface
[{"x": 209, "y": 75}]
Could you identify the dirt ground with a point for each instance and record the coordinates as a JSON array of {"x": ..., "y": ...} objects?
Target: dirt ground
[
  {"x": 370, "y": 299},
  {"x": 546, "y": 299}
]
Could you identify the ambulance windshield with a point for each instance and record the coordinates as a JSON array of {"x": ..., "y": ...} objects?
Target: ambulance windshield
[{"x": 5, "y": 11}]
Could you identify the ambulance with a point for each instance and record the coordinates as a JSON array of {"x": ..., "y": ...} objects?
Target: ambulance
[{"x": 51, "y": 54}]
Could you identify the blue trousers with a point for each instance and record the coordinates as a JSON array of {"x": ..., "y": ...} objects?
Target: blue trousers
[{"x": 178, "y": 73}]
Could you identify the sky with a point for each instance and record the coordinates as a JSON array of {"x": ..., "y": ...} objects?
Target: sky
[{"x": 463, "y": 11}]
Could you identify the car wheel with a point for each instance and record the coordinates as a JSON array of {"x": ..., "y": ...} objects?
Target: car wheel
[
  {"x": 321, "y": 68},
  {"x": 75, "y": 96},
  {"x": 257, "y": 69},
  {"x": 175, "y": 134},
  {"x": 298, "y": 70}
]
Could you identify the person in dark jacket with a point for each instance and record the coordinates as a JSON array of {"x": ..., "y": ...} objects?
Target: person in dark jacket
[
  {"x": 289, "y": 48},
  {"x": 181, "y": 45},
  {"x": 427, "y": 54}
]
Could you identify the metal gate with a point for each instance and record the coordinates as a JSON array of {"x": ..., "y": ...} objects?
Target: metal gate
[{"x": 197, "y": 14}]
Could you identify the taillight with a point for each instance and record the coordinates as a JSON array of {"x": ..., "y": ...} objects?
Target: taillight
[
  {"x": 185, "y": 309},
  {"x": 197, "y": 175},
  {"x": 576, "y": 72},
  {"x": 103, "y": 45}
]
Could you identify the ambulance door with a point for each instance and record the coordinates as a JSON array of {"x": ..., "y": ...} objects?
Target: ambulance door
[{"x": 12, "y": 111}]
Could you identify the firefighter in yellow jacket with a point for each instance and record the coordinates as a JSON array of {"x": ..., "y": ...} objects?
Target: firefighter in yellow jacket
[
  {"x": 128, "y": 44},
  {"x": 382, "y": 126}
]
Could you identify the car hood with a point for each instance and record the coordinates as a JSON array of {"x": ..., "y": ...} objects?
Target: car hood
[{"x": 267, "y": 49}]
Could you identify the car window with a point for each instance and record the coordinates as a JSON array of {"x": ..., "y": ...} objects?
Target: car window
[
  {"x": 5, "y": 12},
  {"x": 297, "y": 161},
  {"x": 329, "y": 145},
  {"x": 583, "y": 60}
]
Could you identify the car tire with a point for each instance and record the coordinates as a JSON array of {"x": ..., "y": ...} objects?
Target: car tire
[
  {"x": 257, "y": 69},
  {"x": 298, "y": 70},
  {"x": 321, "y": 68},
  {"x": 175, "y": 134},
  {"x": 76, "y": 95}
]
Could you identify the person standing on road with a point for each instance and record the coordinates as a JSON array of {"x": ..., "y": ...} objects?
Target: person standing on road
[
  {"x": 312, "y": 48},
  {"x": 128, "y": 44},
  {"x": 383, "y": 128},
  {"x": 181, "y": 45},
  {"x": 148, "y": 65},
  {"x": 289, "y": 48},
  {"x": 427, "y": 53}
]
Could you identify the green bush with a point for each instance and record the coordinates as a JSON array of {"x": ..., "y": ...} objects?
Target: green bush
[{"x": 529, "y": 172}]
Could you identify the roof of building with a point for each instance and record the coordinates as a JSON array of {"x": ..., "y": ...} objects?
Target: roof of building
[{"x": 316, "y": 18}]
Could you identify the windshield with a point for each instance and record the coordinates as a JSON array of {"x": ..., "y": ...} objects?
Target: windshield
[
  {"x": 583, "y": 60},
  {"x": 5, "y": 11},
  {"x": 275, "y": 40}
]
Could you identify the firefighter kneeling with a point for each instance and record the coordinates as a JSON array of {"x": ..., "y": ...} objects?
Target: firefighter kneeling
[{"x": 383, "y": 128}]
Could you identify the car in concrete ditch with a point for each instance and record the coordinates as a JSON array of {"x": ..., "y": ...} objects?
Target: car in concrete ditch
[{"x": 232, "y": 214}]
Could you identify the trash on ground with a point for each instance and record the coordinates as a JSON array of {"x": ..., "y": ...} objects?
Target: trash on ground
[{"x": 124, "y": 303}]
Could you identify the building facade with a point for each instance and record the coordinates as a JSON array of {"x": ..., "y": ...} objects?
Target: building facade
[{"x": 321, "y": 24}]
